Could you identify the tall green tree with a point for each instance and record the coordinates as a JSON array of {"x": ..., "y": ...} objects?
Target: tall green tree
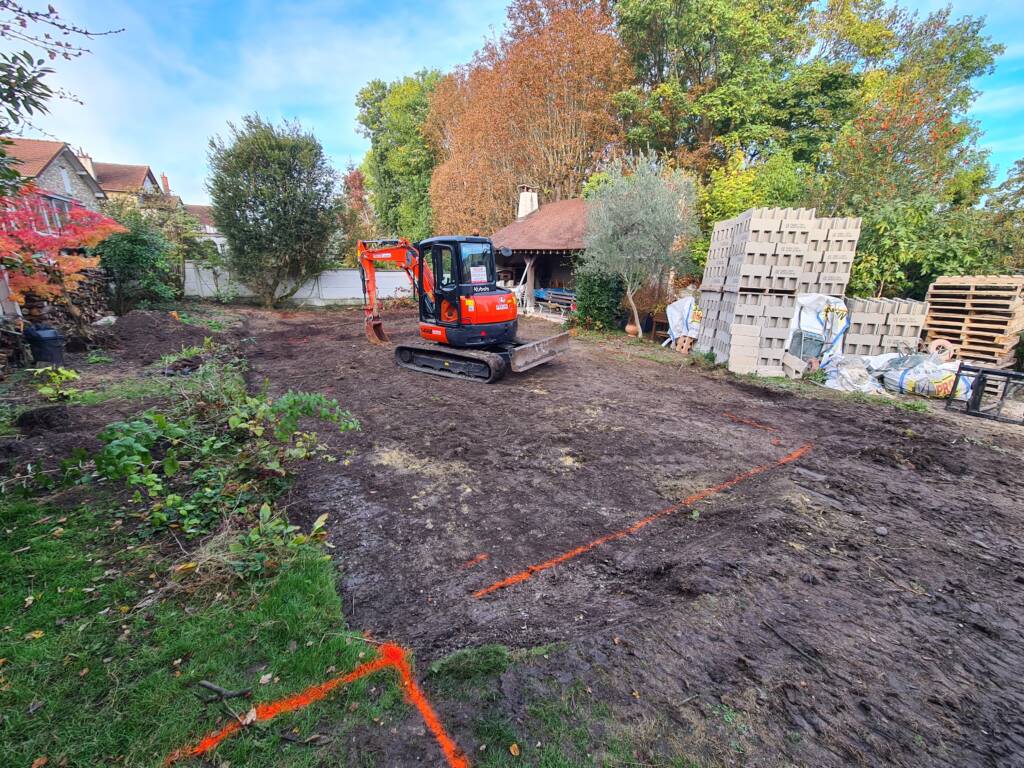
[
  {"x": 1005, "y": 209},
  {"x": 275, "y": 199},
  {"x": 777, "y": 181},
  {"x": 709, "y": 74},
  {"x": 639, "y": 225},
  {"x": 906, "y": 243},
  {"x": 400, "y": 162}
]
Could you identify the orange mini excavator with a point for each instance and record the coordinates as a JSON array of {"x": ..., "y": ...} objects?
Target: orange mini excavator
[{"x": 470, "y": 322}]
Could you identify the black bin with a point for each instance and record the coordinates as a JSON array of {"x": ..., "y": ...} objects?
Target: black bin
[{"x": 47, "y": 344}]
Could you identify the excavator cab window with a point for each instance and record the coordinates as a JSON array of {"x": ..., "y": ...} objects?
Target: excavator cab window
[
  {"x": 445, "y": 261},
  {"x": 477, "y": 264},
  {"x": 445, "y": 308}
]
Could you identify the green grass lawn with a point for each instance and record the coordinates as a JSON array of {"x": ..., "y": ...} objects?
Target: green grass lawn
[{"x": 89, "y": 679}]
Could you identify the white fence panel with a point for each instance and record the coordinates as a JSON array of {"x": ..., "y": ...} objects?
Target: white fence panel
[{"x": 336, "y": 286}]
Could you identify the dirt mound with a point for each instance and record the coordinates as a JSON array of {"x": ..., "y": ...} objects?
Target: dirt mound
[{"x": 143, "y": 336}]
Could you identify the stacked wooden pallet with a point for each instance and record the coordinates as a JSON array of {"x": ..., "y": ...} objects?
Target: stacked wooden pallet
[{"x": 982, "y": 316}]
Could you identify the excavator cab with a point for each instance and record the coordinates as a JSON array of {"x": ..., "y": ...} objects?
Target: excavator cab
[{"x": 466, "y": 308}]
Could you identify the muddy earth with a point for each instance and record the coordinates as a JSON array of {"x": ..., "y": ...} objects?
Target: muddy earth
[
  {"x": 862, "y": 604},
  {"x": 808, "y": 581}
]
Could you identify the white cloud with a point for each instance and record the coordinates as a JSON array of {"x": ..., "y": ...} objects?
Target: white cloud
[
  {"x": 1001, "y": 100},
  {"x": 156, "y": 92}
]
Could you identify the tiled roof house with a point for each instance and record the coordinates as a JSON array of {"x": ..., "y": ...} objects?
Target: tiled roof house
[{"x": 56, "y": 170}]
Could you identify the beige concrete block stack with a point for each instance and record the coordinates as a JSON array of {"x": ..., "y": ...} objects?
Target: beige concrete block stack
[
  {"x": 878, "y": 326},
  {"x": 757, "y": 264}
]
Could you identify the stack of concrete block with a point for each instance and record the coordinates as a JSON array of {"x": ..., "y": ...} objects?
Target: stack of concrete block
[
  {"x": 757, "y": 264},
  {"x": 878, "y": 326}
]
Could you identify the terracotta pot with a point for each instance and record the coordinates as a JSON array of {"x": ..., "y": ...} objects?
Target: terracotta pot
[{"x": 631, "y": 329}]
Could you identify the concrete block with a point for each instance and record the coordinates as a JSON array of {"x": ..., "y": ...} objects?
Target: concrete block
[
  {"x": 843, "y": 234},
  {"x": 737, "y": 366},
  {"x": 774, "y": 346},
  {"x": 787, "y": 272},
  {"x": 899, "y": 342},
  {"x": 839, "y": 265},
  {"x": 831, "y": 287},
  {"x": 738, "y": 329},
  {"x": 778, "y": 330},
  {"x": 861, "y": 349},
  {"x": 791, "y": 249},
  {"x": 792, "y": 366}
]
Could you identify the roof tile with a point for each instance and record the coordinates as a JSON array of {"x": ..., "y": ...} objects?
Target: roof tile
[
  {"x": 552, "y": 227},
  {"x": 117, "y": 177},
  {"x": 33, "y": 154}
]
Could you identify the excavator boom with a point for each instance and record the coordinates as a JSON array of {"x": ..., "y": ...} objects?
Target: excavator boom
[{"x": 399, "y": 252}]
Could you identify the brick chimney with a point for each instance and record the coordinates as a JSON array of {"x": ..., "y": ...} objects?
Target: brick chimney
[
  {"x": 167, "y": 184},
  {"x": 527, "y": 201},
  {"x": 86, "y": 162}
]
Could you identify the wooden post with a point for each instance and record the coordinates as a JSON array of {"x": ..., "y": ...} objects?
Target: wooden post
[{"x": 530, "y": 281}]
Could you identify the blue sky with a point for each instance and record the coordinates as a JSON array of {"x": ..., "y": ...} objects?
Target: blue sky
[{"x": 182, "y": 69}]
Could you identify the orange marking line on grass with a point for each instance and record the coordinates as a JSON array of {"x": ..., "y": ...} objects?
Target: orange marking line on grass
[
  {"x": 391, "y": 656},
  {"x": 532, "y": 570},
  {"x": 474, "y": 561}
]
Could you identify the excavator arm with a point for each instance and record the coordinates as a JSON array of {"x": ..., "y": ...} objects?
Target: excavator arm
[{"x": 401, "y": 253}]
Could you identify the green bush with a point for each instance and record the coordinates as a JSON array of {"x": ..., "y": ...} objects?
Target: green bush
[
  {"x": 137, "y": 261},
  {"x": 598, "y": 298}
]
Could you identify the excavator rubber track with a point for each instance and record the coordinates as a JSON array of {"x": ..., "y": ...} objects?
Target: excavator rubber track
[{"x": 467, "y": 364}]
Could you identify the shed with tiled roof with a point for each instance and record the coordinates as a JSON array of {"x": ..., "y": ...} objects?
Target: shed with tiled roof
[{"x": 541, "y": 243}]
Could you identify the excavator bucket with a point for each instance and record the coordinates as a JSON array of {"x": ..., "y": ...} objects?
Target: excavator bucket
[
  {"x": 531, "y": 354},
  {"x": 375, "y": 331}
]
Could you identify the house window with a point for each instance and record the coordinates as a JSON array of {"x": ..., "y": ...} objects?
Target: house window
[{"x": 67, "y": 180}]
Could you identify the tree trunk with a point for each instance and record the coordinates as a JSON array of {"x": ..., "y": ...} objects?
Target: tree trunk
[{"x": 636, "y": 314}]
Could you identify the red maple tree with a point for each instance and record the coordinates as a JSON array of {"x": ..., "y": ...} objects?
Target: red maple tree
[{"x": 42, "y": 244}]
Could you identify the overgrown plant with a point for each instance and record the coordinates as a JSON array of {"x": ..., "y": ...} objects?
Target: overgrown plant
[
  {"x": 598, "y": 300},
  {"x": 53, "y": 379},
  {"x": 223, "y": 454},
  {"x": 138, "y": 260},
  {"x": 274, "y": 196}
]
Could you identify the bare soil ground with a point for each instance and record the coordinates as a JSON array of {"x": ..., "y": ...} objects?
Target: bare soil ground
[{"x": 862, "y": 605}]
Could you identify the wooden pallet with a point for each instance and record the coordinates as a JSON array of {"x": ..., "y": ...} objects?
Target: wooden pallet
[{"x": 983, "y": 316}]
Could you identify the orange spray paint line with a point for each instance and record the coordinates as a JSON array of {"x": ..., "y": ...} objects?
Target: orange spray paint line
[
  {"x": 452, "y": 752},
  {"x": 748, "y": 422},
  {"x": 391, "y": 657},
  {"x": 532, "y": 570},
  {"x": 474, "y": 561}
]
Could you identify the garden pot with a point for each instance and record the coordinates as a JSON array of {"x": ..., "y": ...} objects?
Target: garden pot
[{"x": 631, "y": 329}]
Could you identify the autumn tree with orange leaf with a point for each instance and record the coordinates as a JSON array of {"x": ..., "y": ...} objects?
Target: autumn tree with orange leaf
[
  {"x": 42, "y": 250},
  {"x": 533, "y": 107}
]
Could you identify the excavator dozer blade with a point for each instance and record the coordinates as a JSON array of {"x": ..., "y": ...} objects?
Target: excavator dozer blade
[
  {"x": 534, "y": 353},
  {"x": 375, "y": 332}
]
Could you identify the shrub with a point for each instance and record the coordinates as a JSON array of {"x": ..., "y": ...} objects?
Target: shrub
[
  {"x": 274, "y": 196},
  {"x": 598, "y": 300},
  {"x": 138, "y": 263}
]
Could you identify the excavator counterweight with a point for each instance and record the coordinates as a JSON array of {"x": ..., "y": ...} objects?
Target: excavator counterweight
[{"x": 467, "y": 322}]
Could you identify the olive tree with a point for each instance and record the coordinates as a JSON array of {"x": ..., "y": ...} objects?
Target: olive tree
[
  {"x": 275, "y": 199},
  {"x": 640, "y": 222}
]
